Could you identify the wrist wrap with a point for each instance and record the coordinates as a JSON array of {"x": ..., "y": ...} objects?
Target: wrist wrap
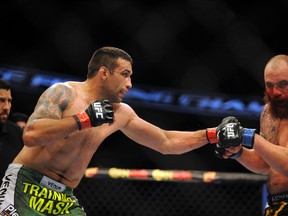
[
  {"x": 248, "y": 137},
  {"x": 211, "y": 135},
  {"x": 83, "y": 120}
]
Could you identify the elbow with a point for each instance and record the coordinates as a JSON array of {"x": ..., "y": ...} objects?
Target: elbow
[
  {"x": 29, "y": 139},
  {"x": 169, "y": 150},
  {"x": 263, "y": 172},
  {"x": 30, "y": 136},
  {"x": 162, "y": 150}
]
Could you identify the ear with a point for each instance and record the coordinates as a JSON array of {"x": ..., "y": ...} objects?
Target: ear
[{"x": 104, "y": 73}]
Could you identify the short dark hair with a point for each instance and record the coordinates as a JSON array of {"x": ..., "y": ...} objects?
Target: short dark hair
[
  {"x": 106, "y": 56},
  {"x": 4, "y": 84}
]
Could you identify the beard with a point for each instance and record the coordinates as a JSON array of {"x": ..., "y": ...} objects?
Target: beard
[
  {"x": 4, "y": 116},
  {"x": 278, "y": 108}
]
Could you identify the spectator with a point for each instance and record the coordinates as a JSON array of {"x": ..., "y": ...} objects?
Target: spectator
[{"x": 10, "y": 134}]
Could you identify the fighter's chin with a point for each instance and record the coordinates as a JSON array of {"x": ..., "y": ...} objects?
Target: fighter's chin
[
  {"x": 120, "y": 98},
  {"x": 116, "y": 100}
]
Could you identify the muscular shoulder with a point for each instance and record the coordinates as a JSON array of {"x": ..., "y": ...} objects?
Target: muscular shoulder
[
  {"x": 55, "y": 100},
  {"x": 266, "y": 113},
  {"x": 123, "y": 108},
  {"x": 124, "y": 112},
  {"x": 268, "y": 125}
]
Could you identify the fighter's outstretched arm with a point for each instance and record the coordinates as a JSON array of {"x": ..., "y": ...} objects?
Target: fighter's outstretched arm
[{"x": 163, "y": 141}]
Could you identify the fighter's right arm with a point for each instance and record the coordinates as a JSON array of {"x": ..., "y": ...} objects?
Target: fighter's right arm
[{"x": 46, "y": 124}]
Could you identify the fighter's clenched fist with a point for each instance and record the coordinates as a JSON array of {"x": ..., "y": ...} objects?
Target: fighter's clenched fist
[
  {"x": 212, "y": 133},
  {"x": 97, "y": 113},
  {"x": 232, "y": 134}
]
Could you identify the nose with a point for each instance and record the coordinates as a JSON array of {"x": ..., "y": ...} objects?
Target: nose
[
  {"x": 6, "y": 105},
  {"x": 276, "y": 91},
  {"x": 129, "y": 83}
]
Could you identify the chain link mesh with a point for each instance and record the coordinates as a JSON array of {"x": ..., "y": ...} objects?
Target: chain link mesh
[{"x": 105, "y": 197}]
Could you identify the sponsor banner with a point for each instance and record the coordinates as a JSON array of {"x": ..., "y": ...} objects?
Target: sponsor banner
[{"x": 145, "y": 96}]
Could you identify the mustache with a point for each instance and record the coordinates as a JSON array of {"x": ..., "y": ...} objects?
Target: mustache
[
  {"x": 275, "y": 101},
  {"x": 4, "y": 112},
  {"x": 278, "y": 108}
]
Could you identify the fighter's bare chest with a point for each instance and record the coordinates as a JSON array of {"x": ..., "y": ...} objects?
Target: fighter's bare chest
[{"x": 276, "y": 132}]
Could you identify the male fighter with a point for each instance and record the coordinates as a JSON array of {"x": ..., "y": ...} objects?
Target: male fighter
[
  {"x": 266, "y": 153},
  {"x": 68, "y": 124}
]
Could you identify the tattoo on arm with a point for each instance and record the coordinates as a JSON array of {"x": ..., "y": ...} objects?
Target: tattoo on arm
[
  {"x": 53, "y": 102},
  {"x": 267, "y": 125}
]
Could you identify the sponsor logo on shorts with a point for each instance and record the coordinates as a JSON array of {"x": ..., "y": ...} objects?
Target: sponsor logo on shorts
[
  {"x": 10, "y": 210},
  {"x": 47, "y": 201},
  {"x": 5, "y": 184},
  {"x": 52, "y": 184},
  {"x": 280, "y": 197}
]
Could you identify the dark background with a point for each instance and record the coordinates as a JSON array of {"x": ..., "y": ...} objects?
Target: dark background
[{"x": 204, "y": 46}]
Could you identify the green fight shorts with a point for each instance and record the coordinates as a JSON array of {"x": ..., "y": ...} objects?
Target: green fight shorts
[{"x": 27, "y": 192}]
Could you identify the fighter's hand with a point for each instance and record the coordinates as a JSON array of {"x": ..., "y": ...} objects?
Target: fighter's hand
[
  {"x": 232, "y": 135},
  {"x": 232, "y": 153},
  {"x": 97, "y": 113},
  {"x": 229, "y": 134},
  {"x": 211, "y": 133}
]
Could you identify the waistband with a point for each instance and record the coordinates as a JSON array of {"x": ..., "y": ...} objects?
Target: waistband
[
  {"x": 37, "y": 177},
  {"x": 279, "y": 197}
]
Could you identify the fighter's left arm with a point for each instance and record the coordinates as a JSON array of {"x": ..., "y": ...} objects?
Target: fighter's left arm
[{"x": 163, "y": 141}]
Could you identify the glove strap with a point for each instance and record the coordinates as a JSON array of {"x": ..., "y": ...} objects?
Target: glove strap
[
  {"x": 236, "y": 155},
  {"x": 83, "y": 120},
  {"x": 211, "y": 135},
  {"x": 248, "y": 137}
]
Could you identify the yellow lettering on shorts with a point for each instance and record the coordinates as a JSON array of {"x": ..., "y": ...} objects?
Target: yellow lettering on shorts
[
  {"x": 26, "y": 186},
  {"x": 48, "y": 201},
  {"x": 58, "y": 208},
  {"x": 65, "y": 210},
  {"x": 51, "y": 206},
  {"x": 48, "y": 207},
  {"x": 34, "y": 190},
  {"x": 36, "y": 204},
  {"x": 43, "y": 193},
  {"x": 57, "y": 196}
]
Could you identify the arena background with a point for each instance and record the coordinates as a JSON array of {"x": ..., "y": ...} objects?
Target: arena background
[
  {"x": 199, "y": 47},
  {"x": 195, "y": 46}
]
